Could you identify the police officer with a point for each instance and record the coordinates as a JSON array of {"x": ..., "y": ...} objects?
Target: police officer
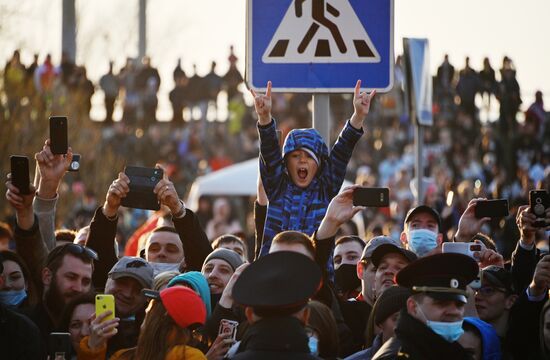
[
  {"x": 432, "y": 322},
  {"x": 275, "y": 291}
]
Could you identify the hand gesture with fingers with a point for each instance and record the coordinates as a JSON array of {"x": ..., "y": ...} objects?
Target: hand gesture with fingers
[
  {"x": 262, "y": 104},
  {"x": 52, "y": 168},
  {"x": 118, "y": 190},
  {"x": 167, "y": 195},
  {"x": 101, "y": 330},
  {"x": 361, "y": 105},
  {"x": 469, "y": 225}
]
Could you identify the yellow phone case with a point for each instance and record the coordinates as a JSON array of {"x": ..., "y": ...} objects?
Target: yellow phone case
[{"x": 103, "y": 303}]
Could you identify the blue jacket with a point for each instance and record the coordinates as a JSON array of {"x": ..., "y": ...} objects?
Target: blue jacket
[
  {"x": 490, "y": 343},
  {"x": 291, "y": 207}
]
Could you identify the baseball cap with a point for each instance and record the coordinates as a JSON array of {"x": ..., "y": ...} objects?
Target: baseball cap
[
  {"x": 424, "y": 209},
  {"x": 499, "y": 277},
  {"x": 376, "y": 242},
  {"x": 183, "y": 305},
  {"x": 134, "y": 267},
  {"x": 384, "y": 249}
]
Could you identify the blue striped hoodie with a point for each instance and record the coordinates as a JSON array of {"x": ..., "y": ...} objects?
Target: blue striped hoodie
[{"x": 291, "y": 207}]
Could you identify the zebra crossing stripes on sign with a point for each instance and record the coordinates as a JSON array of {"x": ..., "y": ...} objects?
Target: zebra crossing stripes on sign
[
  {"x": 319, "y": 46},
  {"x": 320, "y": 31}
]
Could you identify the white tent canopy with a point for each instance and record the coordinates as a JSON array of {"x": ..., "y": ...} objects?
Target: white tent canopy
[{"x": 237, "y": 180}]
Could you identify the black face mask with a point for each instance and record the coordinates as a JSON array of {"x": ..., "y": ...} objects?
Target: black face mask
[{"x": 346, "y": 277}]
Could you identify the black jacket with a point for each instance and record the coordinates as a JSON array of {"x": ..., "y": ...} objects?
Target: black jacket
[
  {"x": 19, "y": 337},
  {"x": 414, "y": 340},
  {"x": 275, "y": 338}
]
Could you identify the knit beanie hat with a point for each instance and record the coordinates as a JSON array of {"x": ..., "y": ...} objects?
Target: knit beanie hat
[
  {"x": 392, "y": 300},
  {"x": 184, "y": 306},
  {"x": 197, "y": 282},
  {"x": 231, "y": 257}
]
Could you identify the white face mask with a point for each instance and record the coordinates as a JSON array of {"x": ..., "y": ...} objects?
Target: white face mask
[
  {"x": 422, "y": 241},
  {"x": 163, "y": 267}
]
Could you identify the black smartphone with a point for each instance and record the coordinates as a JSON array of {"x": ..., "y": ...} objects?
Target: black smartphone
[
  {"x": 539, "y": 201},
  {"x": 58, "y": 134},
  {"x": 60, "y": 345},
  {"x": 142, "y": 182},
  {"x": 491, "y": 208},
  {"x": 371, "y": 197},
  {"x": 20, "y": 173},
  {"x": 75, "y": 163}
]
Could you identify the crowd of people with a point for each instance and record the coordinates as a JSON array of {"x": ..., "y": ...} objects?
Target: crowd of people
[{"x": 285, "y": 274}]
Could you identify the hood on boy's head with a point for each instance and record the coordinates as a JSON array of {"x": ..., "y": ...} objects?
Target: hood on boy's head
[
  {"x": 490, "y": 343},
  {"x": 308, "y": 139}
]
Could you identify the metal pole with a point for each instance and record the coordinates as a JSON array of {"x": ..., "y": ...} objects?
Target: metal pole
[
  {"x": 419, "y": 166},
  {"x": 321, "y": 116},
  {"x": 68, "y": 29},
  {"x": 142, "y": 47}
]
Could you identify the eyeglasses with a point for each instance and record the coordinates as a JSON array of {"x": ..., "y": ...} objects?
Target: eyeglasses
[
  {"x": 489, "y": 290},
  {"x": 75, "y": 249}
]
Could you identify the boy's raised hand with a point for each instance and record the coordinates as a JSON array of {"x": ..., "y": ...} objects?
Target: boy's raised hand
[
  {"x": 262, "y": 103},
  {"x": 361, "y": 105}
]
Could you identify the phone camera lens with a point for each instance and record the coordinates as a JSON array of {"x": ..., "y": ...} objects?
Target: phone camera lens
[
  {"x": 153, "y": 178},
  {"x": 538, "y": 200}
]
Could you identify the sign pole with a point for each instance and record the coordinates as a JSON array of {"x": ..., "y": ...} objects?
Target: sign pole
[
  {"x": 321, "y": 116},
  {"x": 418, "y": 163}
]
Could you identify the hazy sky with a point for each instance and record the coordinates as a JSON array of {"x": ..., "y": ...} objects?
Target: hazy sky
[{"x": 200, "y": 31}]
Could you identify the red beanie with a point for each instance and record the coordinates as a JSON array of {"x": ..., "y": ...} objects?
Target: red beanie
[{"x": 184, "y": 306}]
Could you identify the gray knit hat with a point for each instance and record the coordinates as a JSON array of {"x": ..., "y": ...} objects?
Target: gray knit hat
[{"x": 229, "y": 256}]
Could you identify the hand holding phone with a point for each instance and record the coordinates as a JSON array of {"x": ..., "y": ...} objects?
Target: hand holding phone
[
  {"x": 104, "y": 303},
  {"x": 228, "y": 328},
  {"x": 491, "y": 208},
  {"x": 371, "y": 197},
  {"x": 142, "y": 183},
  {"x": 20, "y": 173},
  {"x": 539, "y": 202},
  {"x": 58, "y": 135}
]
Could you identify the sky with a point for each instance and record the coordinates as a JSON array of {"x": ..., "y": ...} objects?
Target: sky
[{"x": 202, "y": 31}]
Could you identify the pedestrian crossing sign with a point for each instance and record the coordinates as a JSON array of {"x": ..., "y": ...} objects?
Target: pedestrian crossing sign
[{"x": 319, "y": 46}]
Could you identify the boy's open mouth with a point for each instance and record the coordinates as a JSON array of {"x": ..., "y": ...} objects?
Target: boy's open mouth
[{"x": 302, "y": 173}]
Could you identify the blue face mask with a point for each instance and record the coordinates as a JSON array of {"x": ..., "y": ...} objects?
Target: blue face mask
[
  {"x": 13, "y": 297},
  {"x": 422, "y": 241},
  {"x": 450, "y": 331}
]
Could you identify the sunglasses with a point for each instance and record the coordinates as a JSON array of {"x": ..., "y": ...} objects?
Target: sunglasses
[{"x": 74, "y": 249}]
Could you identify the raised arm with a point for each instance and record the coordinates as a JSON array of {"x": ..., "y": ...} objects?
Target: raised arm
[
  {"x": 103, "y": 230},
  {"x": 469, "y": 225},
  {"x": 51, "y": 169},
  {"x": 271, "y": 161},
  {"x": 28, "y": 243},
  {"x": 196, "y": 246},
  {"x": 351, "y": 133}
]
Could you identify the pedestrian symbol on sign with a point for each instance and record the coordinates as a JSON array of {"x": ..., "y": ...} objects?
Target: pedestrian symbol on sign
[{"x": 319, "y": 31}]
